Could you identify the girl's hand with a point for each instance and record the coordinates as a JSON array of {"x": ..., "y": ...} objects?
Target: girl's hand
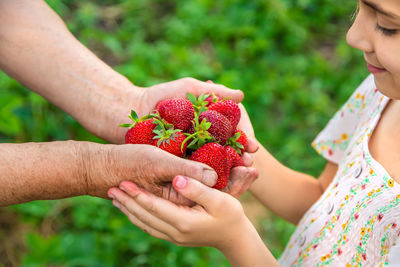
[{"x": 216, "y": 220}]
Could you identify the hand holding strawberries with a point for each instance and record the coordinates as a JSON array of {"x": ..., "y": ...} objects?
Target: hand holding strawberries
[
  {"x": 151, "y": 168},
  {"x": 143, "y": 101},
  {"x": 201, "y": 129}
]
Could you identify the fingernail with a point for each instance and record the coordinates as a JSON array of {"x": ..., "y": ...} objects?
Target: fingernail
[
  {"x": 110, "y": 194},
  {"x": 180, "y": 182},
  {"x": 209, "y": 177}
]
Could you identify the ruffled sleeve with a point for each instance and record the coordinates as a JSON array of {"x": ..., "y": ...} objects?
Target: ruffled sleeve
[{"x": 334, "y": 139}]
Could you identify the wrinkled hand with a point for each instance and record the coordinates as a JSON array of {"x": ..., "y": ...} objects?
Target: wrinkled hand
[
  {"x": 180, "y": 88},
  {"x": 115, "y": 110},
  {"x": 151, "y": 168},
  {"x": 144, "y": 100}
]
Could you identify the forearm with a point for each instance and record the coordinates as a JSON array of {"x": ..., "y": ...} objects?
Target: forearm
[
  {"x": 37, "y": 49},
  {"x": 247, "y": 249},
  {"x": 286, "y": 192},
  {"x": 35, "y": 171}
]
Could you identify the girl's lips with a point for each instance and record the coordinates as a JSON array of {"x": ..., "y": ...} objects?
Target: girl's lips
[{"x": 374, "y": 69}]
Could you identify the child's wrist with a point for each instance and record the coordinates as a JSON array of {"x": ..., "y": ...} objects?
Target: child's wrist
[
  {"x": 246, "y": 248},
  {"x": 242, "y": 235}
]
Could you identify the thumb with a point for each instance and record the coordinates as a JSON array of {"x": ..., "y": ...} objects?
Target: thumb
[
  {"x": 198, "y": 192},
  {"x": 198, "y": 171}
]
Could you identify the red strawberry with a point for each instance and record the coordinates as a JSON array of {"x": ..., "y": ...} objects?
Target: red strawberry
[
  {"x": 238, "y": 141},
  {"x": 229, "y": 109},
  {"x": 233, "y": 157},
  {"x": 199, "y": 104},
  {"x": 190, "y": 130},
  {"x": 242, "y": 140},
  {"x": 214, "y": 155},
  {"x": 179, "y": 112},
  {"x": 220, "y": 129},
  {"x": 141, "y": 131},
  {"x": 172, "y": 144},
  {"x": 212, "y": 99}
]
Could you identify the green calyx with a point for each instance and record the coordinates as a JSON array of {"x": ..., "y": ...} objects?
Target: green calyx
[
  {"x": 200, "y": 136},
  {"x": 135, "y": 118},
  {"x": 199, "y": 104},
  {"x": 232, "y": 141},
  {"x": 165, "y": 132}
]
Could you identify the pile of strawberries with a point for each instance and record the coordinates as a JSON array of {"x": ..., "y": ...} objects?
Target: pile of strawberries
[{"x": 202, "y": 129}]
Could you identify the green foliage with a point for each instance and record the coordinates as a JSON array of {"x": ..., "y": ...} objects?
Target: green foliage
[
  {"x": 289, "y": 57},
  {"x": 84, "y": 231}
]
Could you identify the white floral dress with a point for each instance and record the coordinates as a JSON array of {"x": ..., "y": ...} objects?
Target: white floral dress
[{"x": 356, "y": 221}]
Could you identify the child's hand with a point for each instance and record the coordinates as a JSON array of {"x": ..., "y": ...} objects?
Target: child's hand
[
  {"x": 246, "y": 126},
  {"x": 216, "y": 220}
]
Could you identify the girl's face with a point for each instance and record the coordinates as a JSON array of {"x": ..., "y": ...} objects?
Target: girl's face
[{"x": 376, "y": 31}]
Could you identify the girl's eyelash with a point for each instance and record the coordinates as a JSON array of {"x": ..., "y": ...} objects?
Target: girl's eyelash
[{"x": 385, "y": 31}]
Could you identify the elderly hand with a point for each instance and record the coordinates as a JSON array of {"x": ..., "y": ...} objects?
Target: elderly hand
[
  {"x": 105, "y": 166},
  {"x": 114, "y": 110}
]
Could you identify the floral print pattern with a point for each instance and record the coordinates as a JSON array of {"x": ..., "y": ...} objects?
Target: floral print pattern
[{"x": 356, "y": 221}]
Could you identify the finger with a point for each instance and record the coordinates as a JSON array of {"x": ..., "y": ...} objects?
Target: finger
[
  {"x": 211, "y": 199},
  {"x": 253, "y": 175},
  {"x": 247, "y": 159},
  {"x": 245, "y": 122},
  {"x": 158, "y": 207},
  {"x": 252, "y": 145},
  {"x": 163, "y": 167},
  {"x": 236, "y": 181},
  {"x": 169, "y": 193},
  {"x": 146, "y": 228},
  {"x": 148, "y": 216},
  {"x": 196, "y": 170}
]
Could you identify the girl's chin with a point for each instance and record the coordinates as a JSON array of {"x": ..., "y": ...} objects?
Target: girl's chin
[{"x": 387, "y": 89}]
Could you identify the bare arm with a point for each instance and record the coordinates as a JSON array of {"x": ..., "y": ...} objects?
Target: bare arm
[
  {"x": 34, "y": 171},
  {"x": 53, "y": 170},
  {"x": 288, "y": 193},
  {"x": 37, "y": 49}
]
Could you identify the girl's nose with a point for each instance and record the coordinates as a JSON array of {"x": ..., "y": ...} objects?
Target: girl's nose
[{"x": 359, "y": 35}]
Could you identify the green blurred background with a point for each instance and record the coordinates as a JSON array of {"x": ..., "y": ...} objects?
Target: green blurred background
[{"x": 288, "y": 56}]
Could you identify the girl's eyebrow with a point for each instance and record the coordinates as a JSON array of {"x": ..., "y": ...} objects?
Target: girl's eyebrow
[{"x": 380, "y": 10}]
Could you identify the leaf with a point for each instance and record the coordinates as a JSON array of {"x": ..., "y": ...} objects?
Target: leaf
[
  {"x": 134, "y": 115},
  {"x": 191, "y": 98},
  {"x": 126, "y": 125}
]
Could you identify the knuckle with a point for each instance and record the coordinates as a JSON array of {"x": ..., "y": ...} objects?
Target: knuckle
[
  {"x": 236, "y": 207},
  {"x": 220, "y": 204},
  {"x": 193, "y": 170},
  {"x": 142, "y": 218},
  {"x": 183, "y": 228},
  {"x": 180, "y": 239},
  {"x": 151, "y": 207},
  {"x": 189, "y": 81}
]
